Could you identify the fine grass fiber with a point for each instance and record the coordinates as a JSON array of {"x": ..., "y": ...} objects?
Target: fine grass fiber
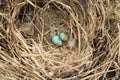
[{"x": 26, "y": 49}]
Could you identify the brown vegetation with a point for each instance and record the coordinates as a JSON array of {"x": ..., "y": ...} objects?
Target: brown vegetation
[{"x": 26, "y": 50}]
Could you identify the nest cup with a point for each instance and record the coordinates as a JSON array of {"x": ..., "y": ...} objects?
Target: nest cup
[{"x": 57, "y": 18}]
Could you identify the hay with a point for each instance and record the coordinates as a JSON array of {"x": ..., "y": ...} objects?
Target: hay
[{"x": 26, "y": 50}]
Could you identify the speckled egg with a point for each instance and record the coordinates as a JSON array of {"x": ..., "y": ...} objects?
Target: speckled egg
[
  {"x": 71, "y": 43},
  {"x": 56, "y": 40},
  {"x": 63, "y": 36}
]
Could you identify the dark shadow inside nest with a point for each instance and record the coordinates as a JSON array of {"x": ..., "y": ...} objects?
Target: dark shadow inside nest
[{"x": 28, "y": 22}]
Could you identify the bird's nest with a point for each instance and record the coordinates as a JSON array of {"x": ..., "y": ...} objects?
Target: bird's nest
[{"x": 28, "y": 53}]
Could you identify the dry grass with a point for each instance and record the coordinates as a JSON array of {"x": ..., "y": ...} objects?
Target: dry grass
[{"x": 26, "y": 51}]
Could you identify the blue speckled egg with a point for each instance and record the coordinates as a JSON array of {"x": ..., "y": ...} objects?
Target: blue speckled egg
[
  {"x": 63, "y": 36},
  {"x": 56, "y": 40}
]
